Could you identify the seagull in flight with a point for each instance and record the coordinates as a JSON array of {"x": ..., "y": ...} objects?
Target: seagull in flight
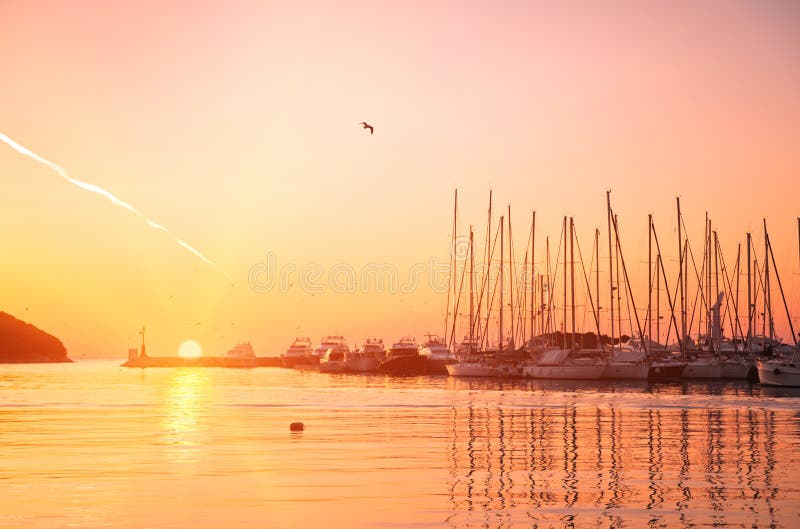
[{"x": 366, "y": 125}]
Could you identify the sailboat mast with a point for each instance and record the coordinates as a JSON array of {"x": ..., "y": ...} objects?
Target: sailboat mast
[
  {"x": 533, "y": 271},
  {"x": 749, "y": 296},
  {"x": 511, "y": 274},
  {"x": 768, "y": 295},
  {"x": 502, "y": 230},
  {"x": 489, "y": 249},
  {"x": 572, "y": 276},
  {"x": 549, "y": 286},
  {"x": 610, "y": 267},
  {"x": 471, "y": 291},
  {"x": 681, "y": 277},
  {"x": 649, "y": 276},
  {"x": 736, "y": 304},
  {"x": 658, "y": 300},
  {"x": 597, "y": 283},
  {"x": 564, "y": 326},
  {"x": 451, "y": 293},
  {"x": 619, "y": 292}
]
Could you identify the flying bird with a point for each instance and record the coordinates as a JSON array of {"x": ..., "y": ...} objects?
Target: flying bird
[{"x": 366, "y": 125}]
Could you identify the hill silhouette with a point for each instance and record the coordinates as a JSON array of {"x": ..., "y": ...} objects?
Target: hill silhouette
[{"x": 22, "y": 342}]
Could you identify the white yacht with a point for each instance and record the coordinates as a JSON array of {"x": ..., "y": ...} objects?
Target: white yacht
[
  {"x": 566, "y": 364},
  {"x": 334, "y": 359},
  {"x": 437, "y": 355},
  {"x": 299, "y": 353},
  {"x": 779, "y": 372},
  {"x": 326, "y": 343},
  {"x": 241, "y": 355},
  {"x": 475, "y": 368},
  {"x": 366, "y": 358},
  {"x": 627, "y": 363}
]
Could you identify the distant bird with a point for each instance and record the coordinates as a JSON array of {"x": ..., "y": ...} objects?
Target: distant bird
[{"x": 366, "y": 125}]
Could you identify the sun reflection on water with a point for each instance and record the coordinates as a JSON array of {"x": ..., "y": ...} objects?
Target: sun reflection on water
[{"x": 187, "y": 394}]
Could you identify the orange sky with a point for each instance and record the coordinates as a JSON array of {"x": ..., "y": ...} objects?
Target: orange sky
[{"x": 235, "y": 126}]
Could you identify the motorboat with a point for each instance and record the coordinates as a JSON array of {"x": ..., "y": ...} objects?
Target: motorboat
[
  {"x": 299, "y": 353},
  {"x": 334, "y": 359},
  {"x": 241, "y": 355},
  {"x": 403, "y": 358},
  {"x": 366, "y": 358},
  {"x": 436, "y": 354}
]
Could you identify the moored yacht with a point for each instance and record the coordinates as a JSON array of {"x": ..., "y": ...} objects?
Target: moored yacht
[
  {"x": 299, "y": 353},
  {"x": 366, "y": 358},
  {"x": 334, "y": 359},
  {"x": 628, "y": 364},
  {"x": 403, "y": 358},
  {"x": 567, "y": 364},
  {"x": 241, "y": 355},
  {"x": 436, "y": 354},
  {"x": 326, "y": 343},
  {"x": 779, "y": 372}
]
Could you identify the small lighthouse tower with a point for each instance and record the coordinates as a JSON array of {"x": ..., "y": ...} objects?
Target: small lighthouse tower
[{"x": 142, "y": 352}]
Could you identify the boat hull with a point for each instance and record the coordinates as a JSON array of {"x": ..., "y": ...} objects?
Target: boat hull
[
  {"x": 331, "y": 367},
  {"x": 294, "y": 361},
  {"x": 437, "y": 366},
  {"x": 469, "y": 369},
  {"x": 735, "y": 370},
  {"x": 403, "y": 365},
  {"x": 702, "y": 370},
  {"x": 778, "y": 374},
  {"x": 623, "y": 371},
  {"x": 665, "y": 371},
  {"x": 362, "y": 365},
  {"x": 588, "y": 372}
]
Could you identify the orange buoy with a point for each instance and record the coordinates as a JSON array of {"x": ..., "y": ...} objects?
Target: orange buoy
[{"x": 297, "y": 427}]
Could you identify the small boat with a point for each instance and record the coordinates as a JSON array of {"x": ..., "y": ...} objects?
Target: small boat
[
  {"x": 628, "y": 362},
  {"x": 437, "y": 355},
  {"x": 403, "y": 358},
  {"x": 705, "y": 366},
  {"x": 241, "y": 355},
  {"x": 299, "y": 353},
  {"x": 779, "y": 372},
  {"x": 566, "y": 364},
  {"x": 333, "y": 361},
  {"x": 366, "y": 358},
  {"x": 475, "y": 368},
  {"x": 665, "y": 367},
  {"x": 326, "y": 343}
]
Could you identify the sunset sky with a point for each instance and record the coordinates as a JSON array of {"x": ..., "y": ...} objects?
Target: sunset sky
[{"x": 235, "y": 125}]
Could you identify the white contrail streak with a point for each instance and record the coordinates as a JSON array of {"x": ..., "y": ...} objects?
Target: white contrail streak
[{"x": 100, "y": 191}]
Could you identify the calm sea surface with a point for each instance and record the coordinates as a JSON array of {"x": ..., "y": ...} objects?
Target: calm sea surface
[{"x": 96, "y": 445}]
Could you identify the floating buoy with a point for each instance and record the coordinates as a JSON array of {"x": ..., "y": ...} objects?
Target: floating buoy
[{"x": 297, "y": 427}]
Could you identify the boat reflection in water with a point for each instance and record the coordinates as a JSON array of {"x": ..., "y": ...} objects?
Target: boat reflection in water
[{"x": 583, "y": 465}]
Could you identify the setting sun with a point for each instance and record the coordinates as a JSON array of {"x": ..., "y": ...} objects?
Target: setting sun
[{"x": 190, "y": 349}]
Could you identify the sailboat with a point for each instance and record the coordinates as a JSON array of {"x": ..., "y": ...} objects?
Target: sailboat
[{"x": 781, "y": 371}]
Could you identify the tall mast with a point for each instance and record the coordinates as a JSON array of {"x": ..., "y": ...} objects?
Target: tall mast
[
  {"x": 471, "y": 291},
  {"x": 597, "y": 282},
  {"x": 736, "y": 305},
  {"x": 572, "y": 276},
  {"x": 619, "y": 292},
  {"x": 451, "y": 293},
  {"x": 610, "y": 267},
  {"x": 533, "y": 270},
  {"x": 749, "y": 297},
  {"x": 658, "y": 300},
  {"x": 502, "y": 230},
  {"x": 768, "y": 296},
  {"x": 649, "y": 276},
  {"x": 549, "y": 286},
  {"x": 511, "y": 274},
  {"x": 564, "y": 327},
  {"x": 716, "y": 290},
  {"x": 681, "y": 277},
  {"x": 489, "y": 244}
]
